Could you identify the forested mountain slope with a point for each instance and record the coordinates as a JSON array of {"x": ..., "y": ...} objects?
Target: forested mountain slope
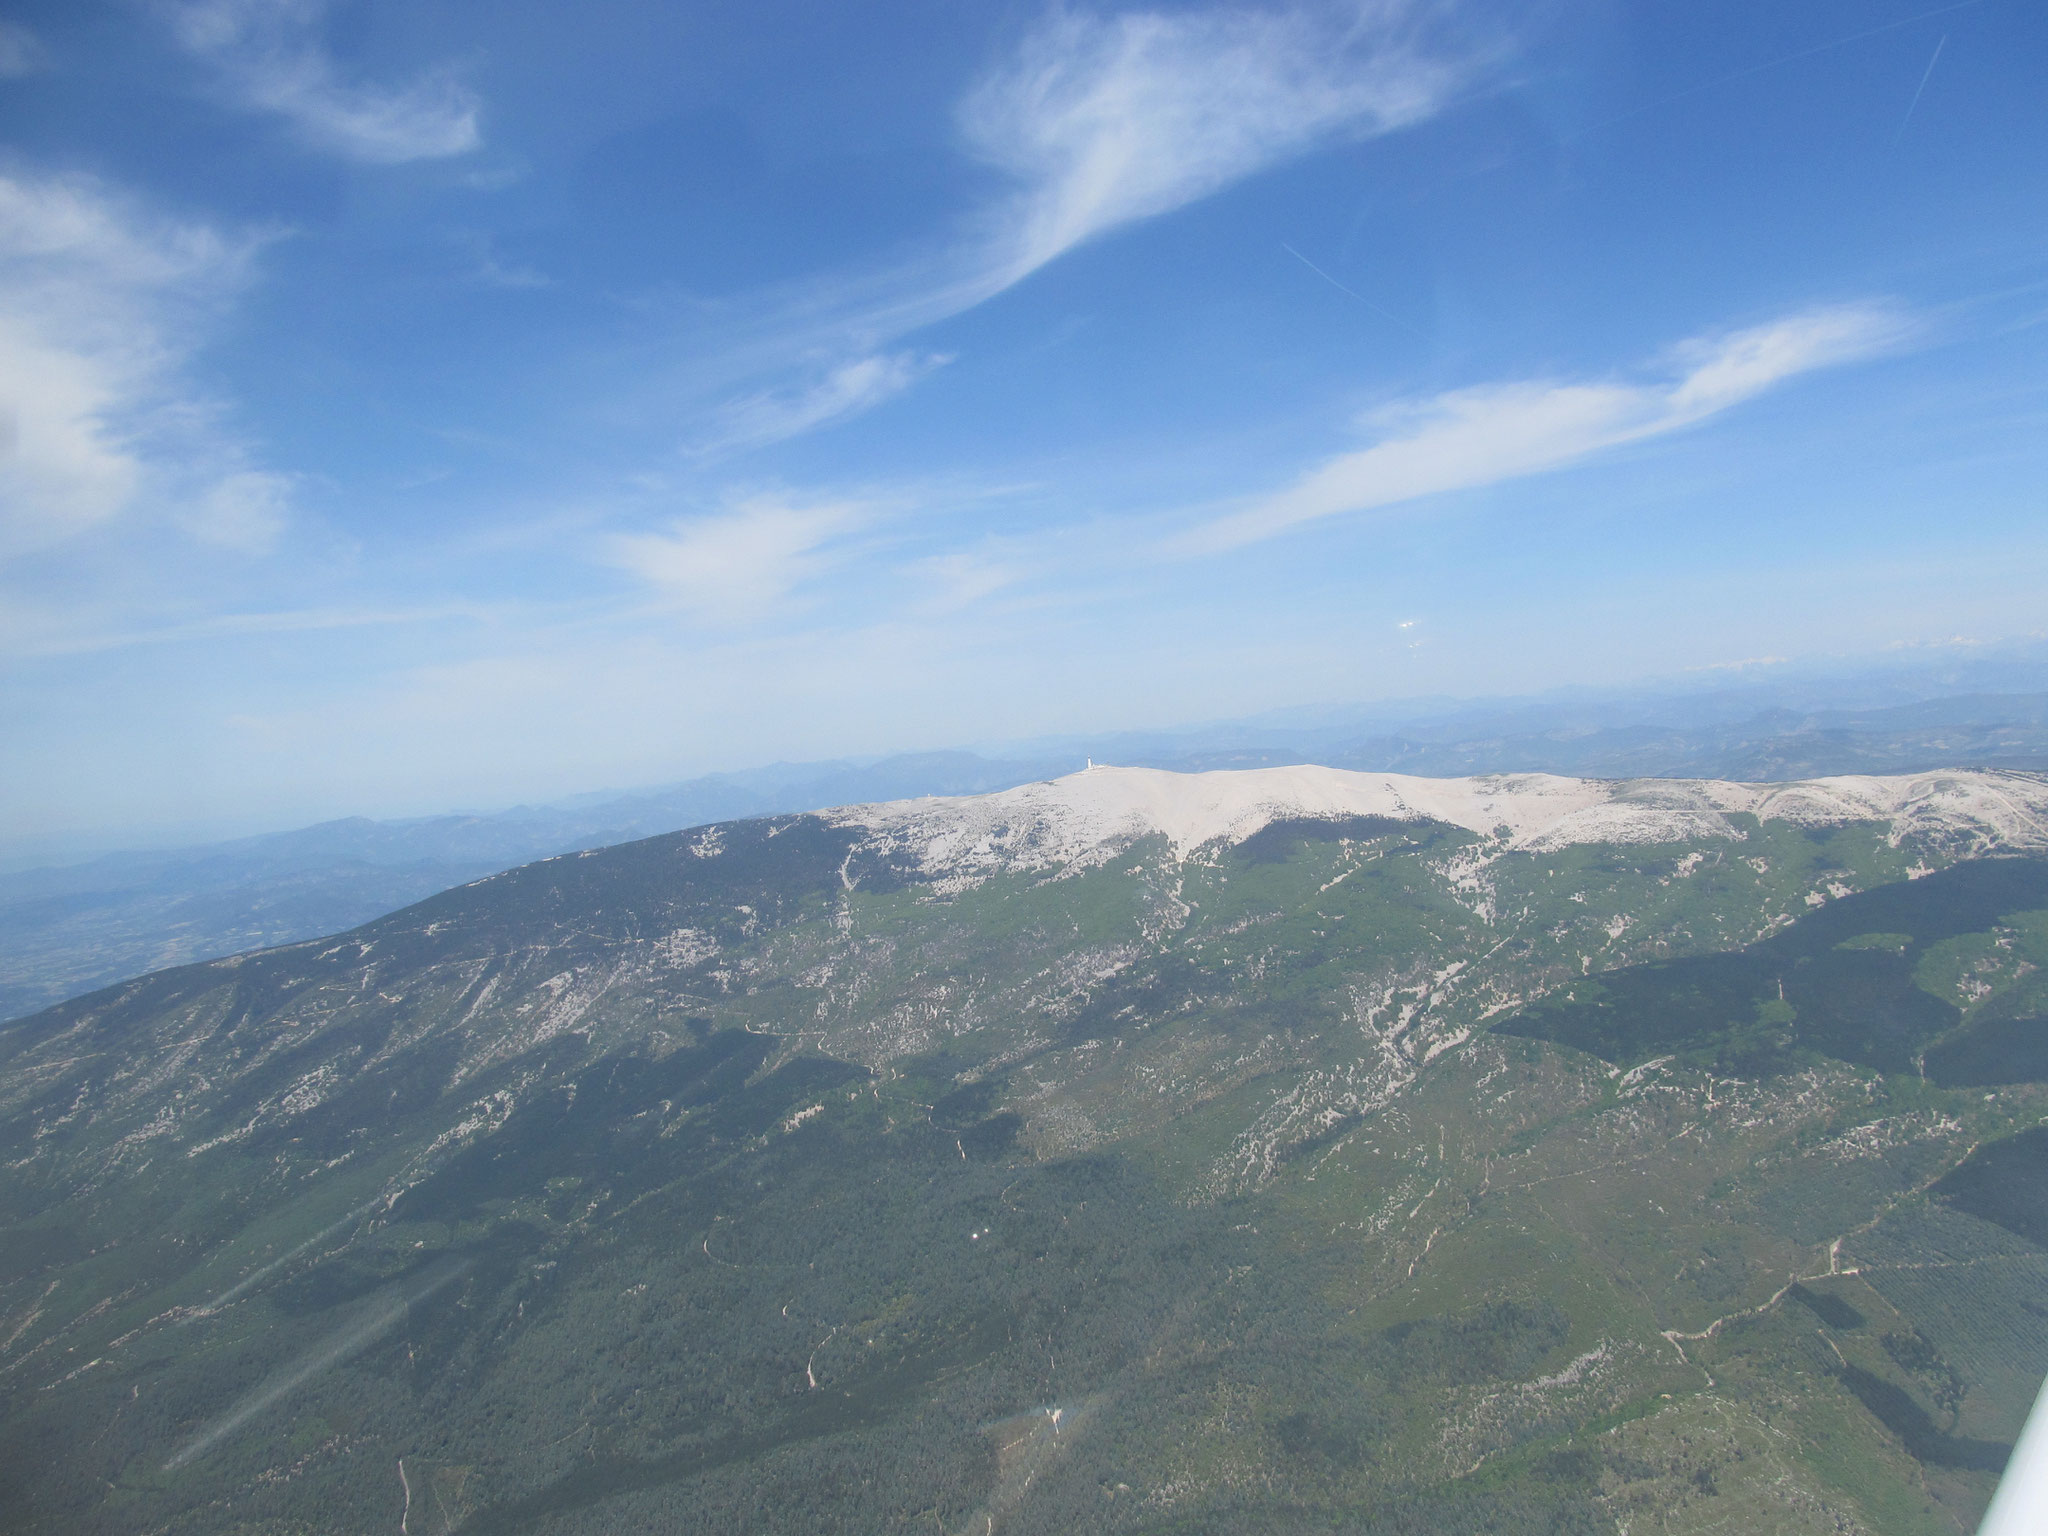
[{"x": 1293, "y": 1150}]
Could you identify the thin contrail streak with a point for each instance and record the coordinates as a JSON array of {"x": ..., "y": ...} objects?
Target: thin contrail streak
[
  {"x": 1368, "y": 303},
  {"x": 1920, "y": 90},
  {"x": 1777, "y": 63},
  {"x": 337, "y": 1347}
]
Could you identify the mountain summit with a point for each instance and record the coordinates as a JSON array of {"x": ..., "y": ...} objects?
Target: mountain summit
[{"x": 1073, "y": 818}]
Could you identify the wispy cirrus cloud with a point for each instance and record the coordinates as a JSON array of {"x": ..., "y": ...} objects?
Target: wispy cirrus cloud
[
  {"x": 1496, "y": 432},
  {"x": 735, "y": 566},
  {"x": 101, "y": 304},
  {"x": 245, "y": 510},
  {"x": 270, "y": 55},
  {"x": 1097, "y": 122},
  {"x": 1105, "y": 120},
  {"x": 845, "y": 390},
  {"x": 960, "y": 580},
  {"x": 26, "y": 632},
  {"x": 21, "y": 51}
]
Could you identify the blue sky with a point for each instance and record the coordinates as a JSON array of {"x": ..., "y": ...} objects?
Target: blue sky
[{"x": 418, "y": 405}]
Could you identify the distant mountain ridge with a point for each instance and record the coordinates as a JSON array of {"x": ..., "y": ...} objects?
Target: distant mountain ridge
[{"x": 66, "y": 930}]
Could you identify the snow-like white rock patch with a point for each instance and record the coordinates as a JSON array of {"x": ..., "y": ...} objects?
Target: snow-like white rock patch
[{"x": 1086, "y": 816}]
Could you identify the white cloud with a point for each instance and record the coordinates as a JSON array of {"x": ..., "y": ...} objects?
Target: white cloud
[
  {"x": 846, "y": 390},
  {"x": 270, "y": 54},
  {"x": 99, "y": 305},
  {"x": 494, "y": 273},
  {"x": 21, "y": 52},
  {"x": 1106, "y": 120},
  {"x": 82, "y": 233},
  {"x": 246, "y": 510},
  {"x": 67, "y": 631},
  {"x": 61, "y": 464},
  {"x": 1098, "y": 122},
  {"x": 959, "y": 581},
  {"x": 1494, "y": 432},
  {"x": 734, "y": 566}
]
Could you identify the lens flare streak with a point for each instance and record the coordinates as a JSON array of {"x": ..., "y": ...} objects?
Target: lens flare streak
[{"x": 381, "y": 1317}]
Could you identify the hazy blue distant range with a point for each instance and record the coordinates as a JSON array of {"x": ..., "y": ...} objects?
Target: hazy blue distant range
[
  {"x": 70, "y": 929},
  {"x": 1290, "y": 1150}
]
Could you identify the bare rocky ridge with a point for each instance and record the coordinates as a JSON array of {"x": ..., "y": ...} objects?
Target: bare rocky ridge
[{"x": 1083, "y": 817}]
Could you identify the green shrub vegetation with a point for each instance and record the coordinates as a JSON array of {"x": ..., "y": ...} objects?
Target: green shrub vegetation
[{"x": 1360, "y": 1178}]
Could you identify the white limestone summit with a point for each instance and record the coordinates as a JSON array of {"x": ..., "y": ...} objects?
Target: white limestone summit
[{"x": 1086, "y": 817}]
